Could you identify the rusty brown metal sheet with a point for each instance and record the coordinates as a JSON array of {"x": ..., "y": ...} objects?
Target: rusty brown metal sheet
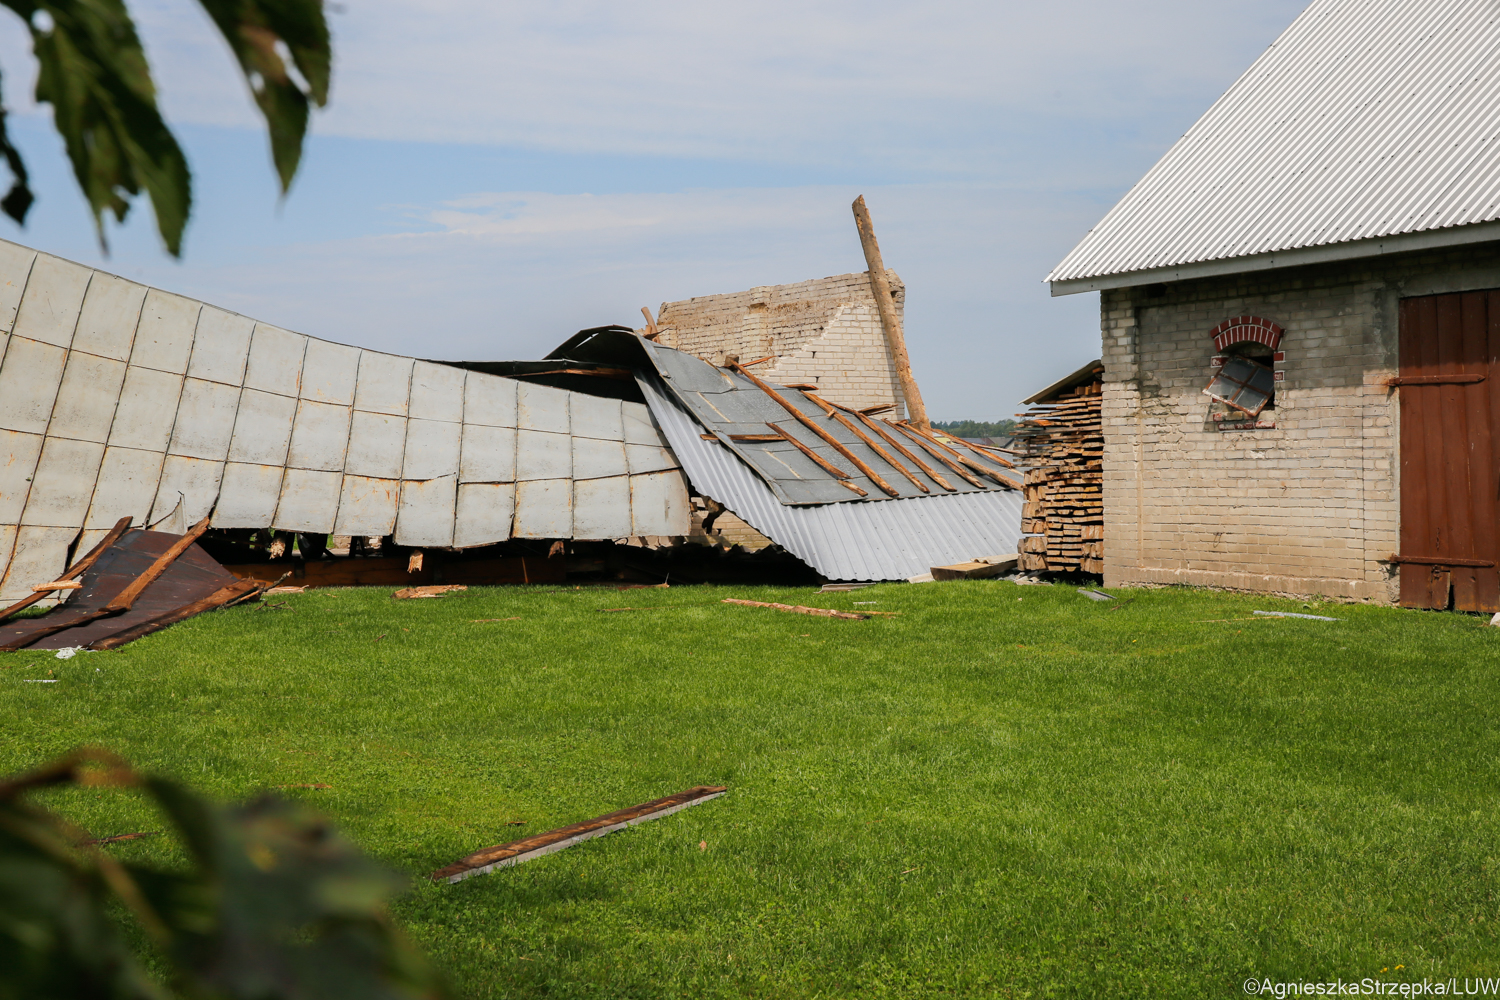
[
  {"x": 1450, "y": 426},
  {"x": 192, "y": 577}
]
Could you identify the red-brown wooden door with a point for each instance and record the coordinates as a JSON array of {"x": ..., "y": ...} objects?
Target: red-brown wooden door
[{"x": 1450, "y": 473}]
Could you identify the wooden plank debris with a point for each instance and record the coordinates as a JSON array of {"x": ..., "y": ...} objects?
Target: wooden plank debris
[
  {"x": 885, "y": 456},
  {"x": 96, "y": 841},
  {"x": 224, "y": 596},
  {"x": 417, "y": 593},
  {"x": 159, "y": 580},
  {"x": 528, "y": 848},
  {"x": 827, "y": 438},
  {"x": 932, "y": 449},
  {"x": 799, "y": 609},
  {"x": 977, "y": 569},
  {"x": 77, "y": 569},
  {"x": 126, "y": 598},
  {"x": 930, "y": 472}
]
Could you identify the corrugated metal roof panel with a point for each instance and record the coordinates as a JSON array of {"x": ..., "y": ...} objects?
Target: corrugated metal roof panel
[
  {"x": 730, "y": 406},
  {"x": 867, "y": 540},
  {"x": 1366, "y": 119}
]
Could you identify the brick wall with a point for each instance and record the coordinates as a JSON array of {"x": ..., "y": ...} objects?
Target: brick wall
[
  {"x": 1309, "y": 506},
  {"x": 825, "y": 331}
]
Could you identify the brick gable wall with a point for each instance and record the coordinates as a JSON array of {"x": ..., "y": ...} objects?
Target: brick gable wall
[{"x": 825, "y": 331}]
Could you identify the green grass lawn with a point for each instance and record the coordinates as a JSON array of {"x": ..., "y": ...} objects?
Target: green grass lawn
[{"x": 1003, "y": 791}]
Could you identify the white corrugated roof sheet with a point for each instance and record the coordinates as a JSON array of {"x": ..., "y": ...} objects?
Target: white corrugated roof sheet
[{"x": 1366, "y": 119}]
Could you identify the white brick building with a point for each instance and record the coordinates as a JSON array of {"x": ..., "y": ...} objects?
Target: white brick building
[
  {"x": 1326, "y": 232},
  {"x": 825, "y": 331}
]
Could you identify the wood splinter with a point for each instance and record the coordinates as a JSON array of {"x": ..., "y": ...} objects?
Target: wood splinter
[{"x": 801, "y": 610}]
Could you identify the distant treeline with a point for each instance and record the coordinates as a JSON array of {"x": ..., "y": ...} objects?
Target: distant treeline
[{"x": 976, "y": 428}]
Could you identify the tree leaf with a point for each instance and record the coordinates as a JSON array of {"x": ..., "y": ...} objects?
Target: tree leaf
[
  {"x": 17, "y": 201},
  {"x": 262, "y": 34},
  {"x": 93, "y": 72}
]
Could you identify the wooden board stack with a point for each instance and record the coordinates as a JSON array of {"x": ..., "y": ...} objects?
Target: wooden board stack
[{"x": 1063, "y": 518}]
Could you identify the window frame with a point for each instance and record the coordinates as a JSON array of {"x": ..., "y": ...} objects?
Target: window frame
[{"x": 1243, "y": 384}]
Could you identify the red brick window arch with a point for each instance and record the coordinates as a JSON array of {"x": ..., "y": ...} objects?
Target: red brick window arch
[
  {"x": 1247, "y": 328},
  {"x": 1244, "y": 366}
]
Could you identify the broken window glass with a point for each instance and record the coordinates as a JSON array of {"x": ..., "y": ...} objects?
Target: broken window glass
[{"x": 1243, "y": 384}]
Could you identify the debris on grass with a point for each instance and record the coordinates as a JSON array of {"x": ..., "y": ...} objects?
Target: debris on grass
[
  {"x": 287, "y": 590},
  {"x": 1496, "y": 620},
  {"x": 976, "y": 569},
  {"x": 799, "y": 609},
  {"x": 433, "y": 590},
  {"x": 517, "y": 851},
  {"x": 35, "y": 680},
  {"x": 1288, "y": 614},
  {"x": 143, "y": 581},
  {"x": 119, "y": 837}
]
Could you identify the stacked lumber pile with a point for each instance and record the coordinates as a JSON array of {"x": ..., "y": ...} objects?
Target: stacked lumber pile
[{"x": 1063, "y": 519}]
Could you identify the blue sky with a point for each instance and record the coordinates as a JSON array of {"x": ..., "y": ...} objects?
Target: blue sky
[{"x": 490, "y": 178}]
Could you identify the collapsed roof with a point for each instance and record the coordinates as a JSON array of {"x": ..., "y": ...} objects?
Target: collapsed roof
[
  {"x": 118, "y": 400},
  {"x": 855, "y": 498}
]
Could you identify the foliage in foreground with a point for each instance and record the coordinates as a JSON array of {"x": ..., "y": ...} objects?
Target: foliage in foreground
[
  {"x": 277, "y": 905},
  {"x": 94, "y": 73},
  {"x": 1000, "y": 791}
]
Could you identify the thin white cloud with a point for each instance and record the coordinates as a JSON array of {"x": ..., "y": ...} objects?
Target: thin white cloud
[{"x": 938, "y": 86}]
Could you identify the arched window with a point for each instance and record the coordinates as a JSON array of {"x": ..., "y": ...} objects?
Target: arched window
[{"x": 1246, "y": 377}]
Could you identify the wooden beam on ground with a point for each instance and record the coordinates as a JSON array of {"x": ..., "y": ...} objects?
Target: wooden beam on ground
[
  {"x": 885, "y": 304},
  {"x": 799, "y": 609},
  {"x": 517, "y": 851},
  {"x": 77, "y": 569}
]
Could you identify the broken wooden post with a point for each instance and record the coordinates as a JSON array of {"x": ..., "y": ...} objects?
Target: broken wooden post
[{"x": 885, "y": 303}]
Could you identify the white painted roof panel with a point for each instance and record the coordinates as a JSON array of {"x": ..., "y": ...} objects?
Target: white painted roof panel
[{"x": 1366, "y": 119}]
